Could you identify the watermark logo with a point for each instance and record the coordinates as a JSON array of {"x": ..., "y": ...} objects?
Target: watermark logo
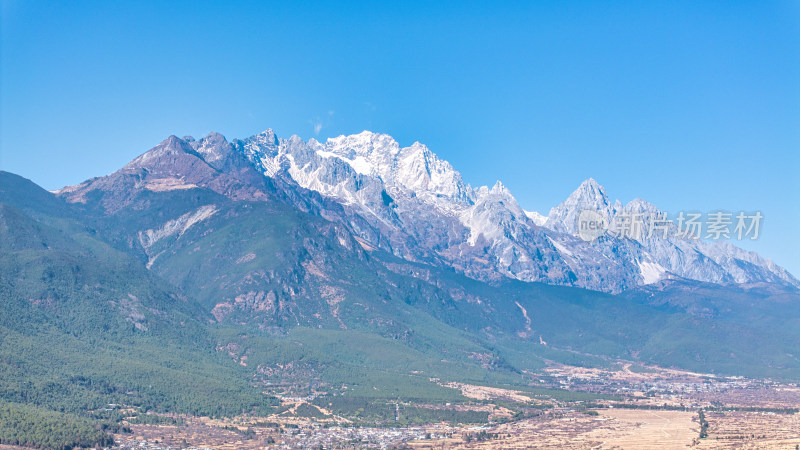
[
  {"x": 687, "y": 225},
  {"x": 591, "y": 225}
]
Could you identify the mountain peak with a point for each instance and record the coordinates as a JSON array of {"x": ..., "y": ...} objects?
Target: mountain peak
[
  {"x": 267, "y": 136},
  {"x": 214, "y": 148},
  {"x": 640, "y": 205},
  {"x": 363, "y": 144},
  {"x": 590, "y": 191},
  {"x": 499, "y": 188},
  {"x": 169, "y": 146},
  {"x": 214, "y": 136},
  {"x": 171, "y": 141},
  {"x": 408, "y": 201},
  {"x": 590, "y": 195}
]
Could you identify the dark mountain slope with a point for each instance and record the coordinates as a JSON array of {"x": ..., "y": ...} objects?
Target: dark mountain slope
[{"x": 84, "y": 325}]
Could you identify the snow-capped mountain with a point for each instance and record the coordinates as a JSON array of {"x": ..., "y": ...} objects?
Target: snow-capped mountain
[
  {"x": 589, "y": 196},
  {"x": 658, "y": 247},
  {"x": 407, "y": 201},
  {"x": 420, "y": 203}
]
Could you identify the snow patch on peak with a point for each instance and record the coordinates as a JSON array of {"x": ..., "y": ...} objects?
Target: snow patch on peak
[
  {"x": 538, "y": 219},
  {"x": 365, "y": 144},
  {"x": 563, "y": 250},
  {"x": 651, "y": 272},
  {"x": 359, "y": 163}
]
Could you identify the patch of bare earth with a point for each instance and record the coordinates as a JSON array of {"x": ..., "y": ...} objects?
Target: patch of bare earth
[{"x": 489, "y": 393}]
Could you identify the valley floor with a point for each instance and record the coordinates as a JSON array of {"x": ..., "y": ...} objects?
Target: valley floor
[
  {"x": 643, "y": 408},
  {"x": 610, "y": 429}
]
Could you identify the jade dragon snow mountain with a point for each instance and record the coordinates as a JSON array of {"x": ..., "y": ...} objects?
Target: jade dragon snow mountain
[{"x": 416, "y": 206}]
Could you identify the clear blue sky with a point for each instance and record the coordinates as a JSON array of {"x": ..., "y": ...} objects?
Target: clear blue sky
[{"x": 690, "y": 105}]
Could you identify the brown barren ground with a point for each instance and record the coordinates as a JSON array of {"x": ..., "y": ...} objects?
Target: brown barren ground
[{"x": 643, "y": 429}]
